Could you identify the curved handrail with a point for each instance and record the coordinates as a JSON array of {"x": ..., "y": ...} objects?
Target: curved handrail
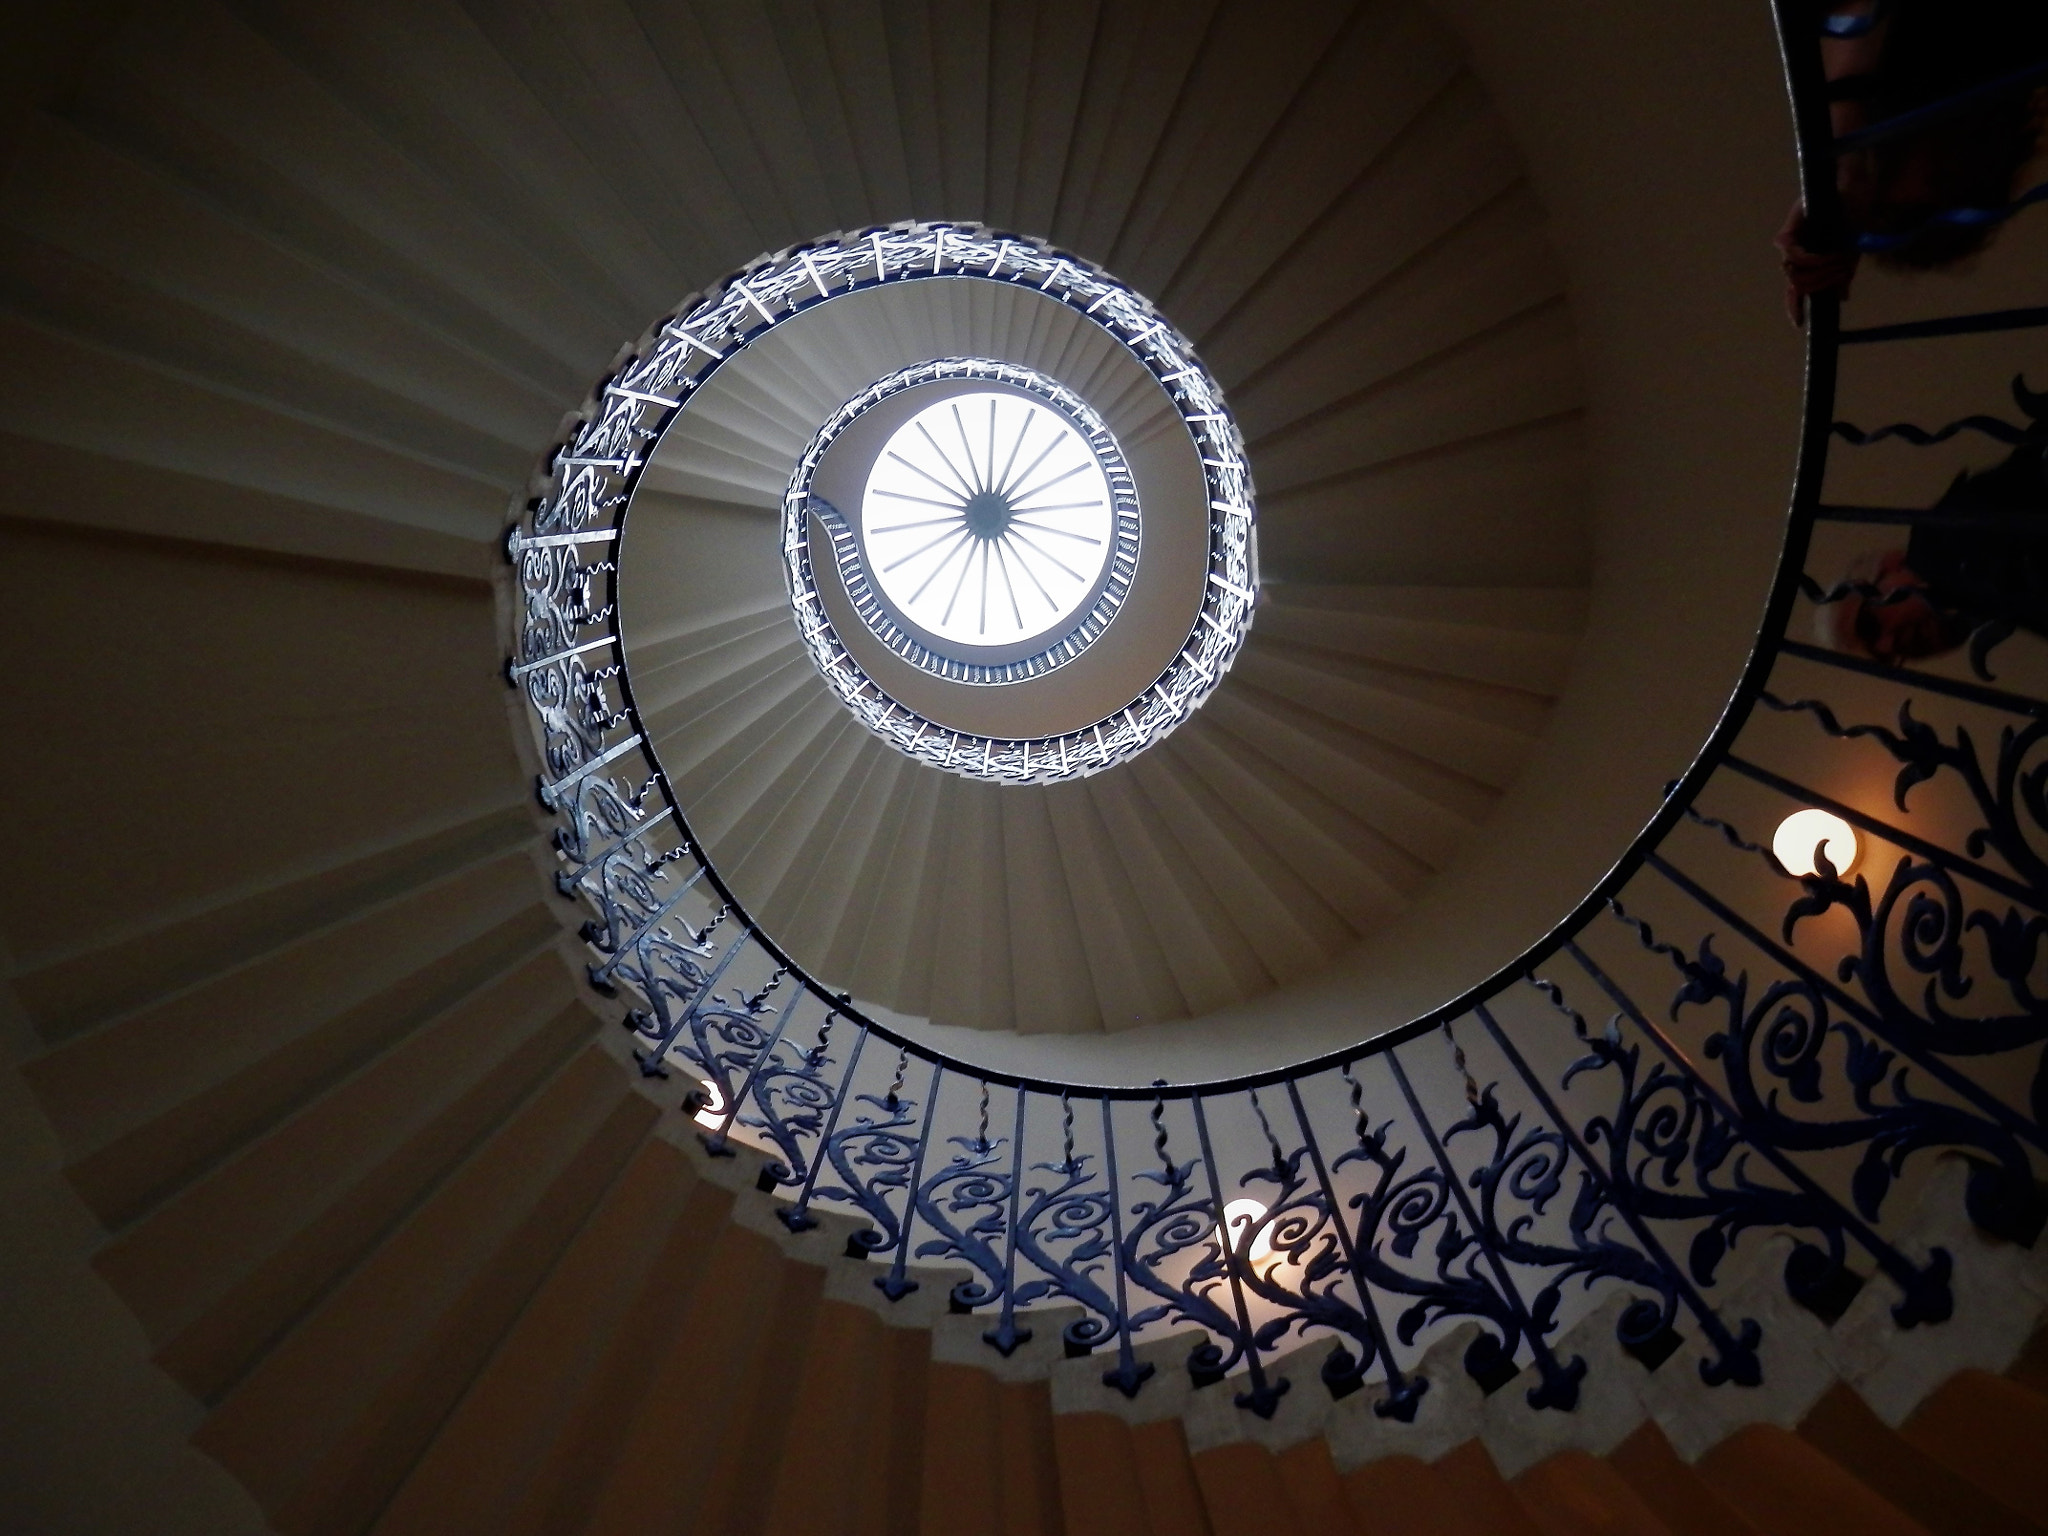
[{"x": 1392, "y": 1189}]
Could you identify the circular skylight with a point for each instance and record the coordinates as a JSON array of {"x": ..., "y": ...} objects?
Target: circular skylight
[{"x": 987, "y": 519}]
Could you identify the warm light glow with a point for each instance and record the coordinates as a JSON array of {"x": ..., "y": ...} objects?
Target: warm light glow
[
  {"x": 1803, "y": 831},
  {"x": 1239, "y": 1215},
  {"x": 712, "y": 1115}
]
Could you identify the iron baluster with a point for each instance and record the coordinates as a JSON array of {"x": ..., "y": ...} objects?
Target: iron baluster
[
  {"x": 661, "y": 993},
  {"x": 615, "y": 950},
  {"x": 1813, "y": 1276},
  {"x": 967, "y": 1184},
  {"x": 567, "y": 880},
  {"x": 2003, "y": 1197},
  {"x": 1706, "y": 973},
  {"x": 1179, "y": 1221},
  {"x": 603, "y": 812},
  {"x": 651, "y": 1064},
  {"x": 793, "y": 1102},
  {"x": 1074, "y": 1213},
  {"x": 896, "y": 1285},
  {"x": 1301, "y": 1250},
  {"x": 1407, "y": 1208},
  {"x": 715, "y": 1142},
  {"x": 879, "y": 1141},
  {"x": 1404, "y": 1392},
  {"x": 1560, "y": 1385},
  {"x": 549, "y": 791},
  {"x": 2002, "y": 830},
  {"x": 798, "y": 1217},
  {"x": 1934, "y": 927},
  {"x": 1006, "y": 1335},
  {"x": 1737, "y": 1359},
  {"x": 722, "y": 1035},
  {"x": 1264, "y": 1396},
  {"x": 1129, "y": 1374}
]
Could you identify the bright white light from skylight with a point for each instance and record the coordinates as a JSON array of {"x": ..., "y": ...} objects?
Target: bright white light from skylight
[{"x": 987, "y": 520}]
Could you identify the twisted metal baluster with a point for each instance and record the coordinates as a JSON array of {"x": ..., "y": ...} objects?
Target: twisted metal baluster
[
  {"x": 718, "y": 1036},
  {"x": 1925, "y": 755},
  {"x": 1530, "y": 1168},
  {"x": 1404, "y": 1392},
  {"x": 1817, "y": 1279},
  {"x": 1408, "y": 1207},
  {"x": 1180, "y": 1220},
  {"x": 1933, "y": 923},
  {"x": 615, "y": 948},
  {"x": 717, "y": 1142},
  {"x": 967, "y": 1184},
  {"x": 1735, "y": 1356},
  {"x": 1996, "y": 1130},
  {"x": 575, "y": 845},
  {"x": 1264, "y": 1396},
  {"x": 1006, "y": 1335},
  {"x": 1296, "y": 1224},
  {"x": 896, "y": 1284},
  {"x": 667, "y": 973},
  {"x": 1129, "y": 1374},
  {"x": 651, "y": 1062},
  {"x": 1073, "y": 1211},
  {"x": 2001, "y": 1197},
  {"x": 1559, "y": 1387},
  {"x": 798, "y": 1217},
  {"x": 882, "y": 1143},
  {"x": 804, "y": 1103}
]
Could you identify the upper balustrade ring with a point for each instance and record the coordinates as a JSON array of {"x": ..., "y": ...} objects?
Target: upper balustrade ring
[{"x": 598, "y": 469}]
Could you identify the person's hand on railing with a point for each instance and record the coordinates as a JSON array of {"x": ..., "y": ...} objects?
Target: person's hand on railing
[{"x": 1810, "y": 272}]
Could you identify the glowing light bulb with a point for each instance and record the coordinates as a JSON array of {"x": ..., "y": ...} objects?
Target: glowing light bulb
[
  {"x": 1238, "y": 1216},
  {"x": 1803, "y": 831},
  {"x": 712, "y": 1115}
]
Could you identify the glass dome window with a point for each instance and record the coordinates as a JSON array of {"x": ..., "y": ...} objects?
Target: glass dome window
[{"x": 987, "y": 519}]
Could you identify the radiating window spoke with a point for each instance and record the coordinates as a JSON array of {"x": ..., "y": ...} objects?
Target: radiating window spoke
[{"x": 980, "y": 570}]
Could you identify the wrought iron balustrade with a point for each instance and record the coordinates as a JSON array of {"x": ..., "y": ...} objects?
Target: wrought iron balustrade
[{"x": 1707, "y": 1050}]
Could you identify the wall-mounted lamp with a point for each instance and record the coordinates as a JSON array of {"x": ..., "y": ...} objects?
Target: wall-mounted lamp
[
  {"x": 712, "y": 1115},
  {"x": 1238, "y": 1216},
  {"x": 1803, "y": 831}
]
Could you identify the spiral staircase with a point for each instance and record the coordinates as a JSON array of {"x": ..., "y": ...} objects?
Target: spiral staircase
[{"x": 339, "y": 1202}]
